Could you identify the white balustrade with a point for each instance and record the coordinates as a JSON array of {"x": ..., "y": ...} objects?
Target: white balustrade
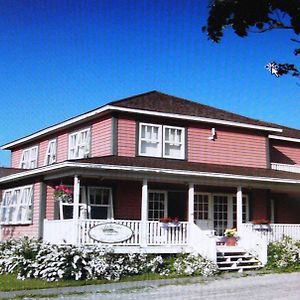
[
  {"x": 202, "y": 243},
  {"x": 77, "y": 232},
  {"x": 285, "y": 167},
  {"x": 275, "y": 232},
  {"x": 167, "y": 234}
]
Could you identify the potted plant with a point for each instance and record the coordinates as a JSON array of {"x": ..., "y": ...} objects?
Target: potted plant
[
  {"x": 169, "y": 222},
  {"x": 261, "y": 224},
  {"x": 63, "y": 193},
  {"x": 231, "y": 238}
]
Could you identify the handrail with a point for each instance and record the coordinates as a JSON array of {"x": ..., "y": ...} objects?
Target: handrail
[{"x": 202, "y": 243}]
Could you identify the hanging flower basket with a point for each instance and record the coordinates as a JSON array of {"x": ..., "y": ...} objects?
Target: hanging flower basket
[{"x": 63, "y": 194}]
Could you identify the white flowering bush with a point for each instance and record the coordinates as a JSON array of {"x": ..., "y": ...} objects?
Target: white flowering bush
[
  {"x": 284, "y": 254},
  {"x": 29, "y": 258},
  {"x": 193, "y": 264}
]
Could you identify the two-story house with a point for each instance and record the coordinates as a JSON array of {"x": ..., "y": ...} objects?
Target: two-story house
[{"x": 133, "y": 162}]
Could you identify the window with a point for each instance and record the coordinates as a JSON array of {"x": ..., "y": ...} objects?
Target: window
[
  {"x": 161, "y": 141},
  {"x": 157, "y": 205},
  {"x": 201, "y": 207},
  {"x": 16, "y": 207},
  {"x": 29, "y": 158},
  {"x": 100, "y": 203},
  {"x": 173, "y": 142},
  {"x": 150, "y": 140},
  {"x": 51, "y": 153},
  {"x": 79, "y": 144}
]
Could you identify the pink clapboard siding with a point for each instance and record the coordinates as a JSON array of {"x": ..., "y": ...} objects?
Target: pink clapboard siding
[
  {"x": 231, "y": 147},
  {"x": 126, "y": 137},
  {"x": 285, "y": 152},
  {"x": 17, "y": 231},
  {"x": 62, "y": 147},
  {"x": 50, "y": 203},
  {"x": 102, "y": 137},
  {"x": 42, "y": 152},
  {"x": 16, "y": 158}
]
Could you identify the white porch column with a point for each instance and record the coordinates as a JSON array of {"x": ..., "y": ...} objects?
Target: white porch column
[
  {"x": 239, "y": 207},
  {"x": 191, "y": 203},
  {"x": 144, "y": 213},
  {"x": 76, "y": 197}
]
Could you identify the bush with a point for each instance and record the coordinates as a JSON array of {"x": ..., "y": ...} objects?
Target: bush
[
  {"x": 284, "y": 254},
  {"x": 29, "y": 258}
]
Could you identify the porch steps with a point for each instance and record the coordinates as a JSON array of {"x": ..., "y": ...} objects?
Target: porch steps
[{"x": 236, "y": 259}]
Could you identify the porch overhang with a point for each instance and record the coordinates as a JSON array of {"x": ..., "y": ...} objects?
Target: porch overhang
[{"x": 129, "y": 169}]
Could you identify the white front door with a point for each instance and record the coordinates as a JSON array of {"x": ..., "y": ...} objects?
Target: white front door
[{"x": 217, "y": 211}]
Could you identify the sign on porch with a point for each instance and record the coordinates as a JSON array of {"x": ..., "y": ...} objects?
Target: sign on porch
[{"x": 110, "y": 233}]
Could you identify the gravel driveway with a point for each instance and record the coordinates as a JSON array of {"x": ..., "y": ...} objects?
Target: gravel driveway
[{"x": 271, "y": 286}]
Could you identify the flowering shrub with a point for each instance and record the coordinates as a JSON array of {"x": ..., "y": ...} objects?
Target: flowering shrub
[
  {"x": 284, "y": 254},
  {"x": 230, "y": 232},
  {"x": 63, "y": 193},
  {"x": 29, "y": 258},
  {"x": 192, "y": 264}
]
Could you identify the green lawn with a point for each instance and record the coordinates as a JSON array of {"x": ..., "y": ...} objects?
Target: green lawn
[{"x": 11, "y": 283}]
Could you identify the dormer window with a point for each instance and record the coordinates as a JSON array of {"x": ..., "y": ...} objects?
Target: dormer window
[
  {"x": 161, "y": 141},
  {"x": 29, "y": 158},
  {"x": 79, "y": 144},
  {"x": 51, "y": 153}
]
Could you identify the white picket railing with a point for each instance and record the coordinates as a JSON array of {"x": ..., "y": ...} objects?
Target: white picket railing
[
  {"x": 77, "y": 232},
  {"x": 203, "y": 243},
  {"x": 84, "y": 227},
  {"x": 275, "y": 232},
  {"x": 167, "y": 234},
  {"x": 285, "y": 167},
  {"x": 253, "y": 242}
]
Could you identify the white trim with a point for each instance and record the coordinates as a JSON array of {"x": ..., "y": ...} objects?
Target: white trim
[
  {"x": 51, "y": 156},
  {"x": 182, "y": 143},
  {"x": 283, "y": 138},
  {"x": 30, "y": 159},
  {"x": 79, "y": 145},
  {"x": 165, "y": 193},
  {"x": 109, "y": 206},
  {"x": 59, "y": 166},
  {"x": 159, "y": 142},
  {"x": 26, "y": 218},
  {"x": 193, "y": 118},
  {"x": 105, "y": 108}
]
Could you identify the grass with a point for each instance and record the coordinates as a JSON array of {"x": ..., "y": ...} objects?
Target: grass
[{"x": 9, "y": 282}]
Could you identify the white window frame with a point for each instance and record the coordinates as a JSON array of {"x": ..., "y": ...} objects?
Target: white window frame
[
  {"x": 110, "y": 205},
  {"x": 19, "y": 203},
  {"x": 158, "y": 141},
  {"x": 165, "y": 202},
  {"x": 29, "y": 158},
  {"x": 161, "y": 142},
  {"x": 50, "y": 156},
  {"x": 177, "y": 143},
  {"x": 74, "y": 151}
]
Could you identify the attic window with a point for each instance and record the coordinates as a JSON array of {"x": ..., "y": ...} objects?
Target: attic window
[
  {"x": 161, "y": 141},
  {"x": 51, "y": 153},
  {"x": 79, "y": 144},
  {"x": 29, "y": 158}
]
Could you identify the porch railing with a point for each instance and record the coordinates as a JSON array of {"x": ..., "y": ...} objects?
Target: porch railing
[
  {"x": 76, "y": 232},
  {"x": 164, "y": 234},
  {"x": 285, "y": 167},
  {"x": 275, "y": 232}
]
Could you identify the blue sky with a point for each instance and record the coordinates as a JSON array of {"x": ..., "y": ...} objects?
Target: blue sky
[{"x": 62, "y": 58}]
